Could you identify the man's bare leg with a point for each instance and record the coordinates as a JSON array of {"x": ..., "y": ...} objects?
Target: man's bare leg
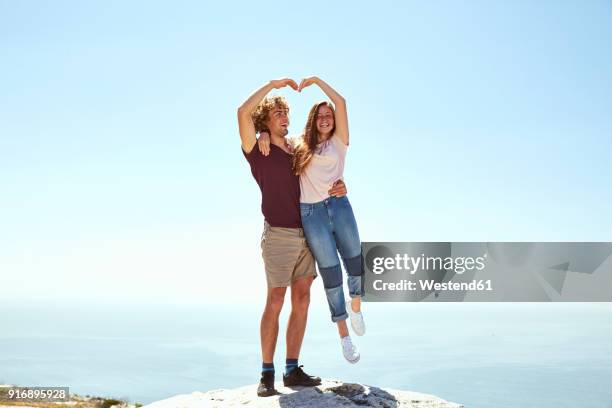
[
  {"x": 269, "y": 322},
  {"x": 300, "y": 301}
]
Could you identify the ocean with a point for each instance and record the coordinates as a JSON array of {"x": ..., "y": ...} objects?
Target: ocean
[{"x": 478, "y": 354}]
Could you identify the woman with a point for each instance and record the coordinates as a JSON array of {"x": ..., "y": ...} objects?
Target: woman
[{"x": 329, "y": 223}]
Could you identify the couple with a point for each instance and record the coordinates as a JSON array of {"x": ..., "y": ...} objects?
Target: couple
[{"x": 305, "y": 208}]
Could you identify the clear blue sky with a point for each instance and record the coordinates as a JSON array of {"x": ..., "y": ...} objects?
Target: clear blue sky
[{"x": 120, "y": 164}]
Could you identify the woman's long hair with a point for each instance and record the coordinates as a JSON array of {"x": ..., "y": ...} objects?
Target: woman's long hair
[{"x": 304, "y": 151}]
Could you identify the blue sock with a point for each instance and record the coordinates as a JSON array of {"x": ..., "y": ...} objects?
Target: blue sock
[
  {"x": 267, "y": 367},
  {"x": 290, "y": 365}
]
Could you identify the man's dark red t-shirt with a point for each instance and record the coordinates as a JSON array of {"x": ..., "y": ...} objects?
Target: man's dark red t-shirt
[{"x": 280, "y": 188}]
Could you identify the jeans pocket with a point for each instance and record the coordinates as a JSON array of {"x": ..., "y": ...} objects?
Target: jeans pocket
[
  {"x": 305, "y": 210},
  {"x": 344, "y": 202}
]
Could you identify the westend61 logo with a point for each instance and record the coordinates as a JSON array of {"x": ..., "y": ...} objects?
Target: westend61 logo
[
  {"x": 459, "y": 264},
  {"x": 487, "y": 271}
]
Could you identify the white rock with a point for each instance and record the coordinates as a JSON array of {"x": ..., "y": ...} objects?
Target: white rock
[{"x": 332, "y": 393}]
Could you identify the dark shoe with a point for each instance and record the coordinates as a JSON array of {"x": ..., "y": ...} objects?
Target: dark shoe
[
  {"x": 266, "y": 385},
  {"x": 297, "y": 376}
]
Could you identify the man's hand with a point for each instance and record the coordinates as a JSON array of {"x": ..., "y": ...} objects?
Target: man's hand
[
  {"x": 307, "y": 82},
  {"x": 248, "y": 135},
  {"x": 264, "y": 143},
  {"x": 338, "y": 189},
  {"x": 283, "y": 82}
]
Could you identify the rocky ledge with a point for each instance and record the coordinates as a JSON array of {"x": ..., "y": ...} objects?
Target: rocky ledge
[{"x": 332, "y": 393}]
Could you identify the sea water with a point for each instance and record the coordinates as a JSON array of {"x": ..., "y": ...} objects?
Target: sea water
[{"x": 478, "y": 354}]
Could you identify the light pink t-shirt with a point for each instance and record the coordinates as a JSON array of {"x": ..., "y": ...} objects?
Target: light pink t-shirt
[{"x": 326, "y": 166}]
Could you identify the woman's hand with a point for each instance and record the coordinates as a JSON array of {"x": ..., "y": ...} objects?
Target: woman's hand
[
  {"x": 264, "y": 143},
  {"x": 307, "y": 82}
]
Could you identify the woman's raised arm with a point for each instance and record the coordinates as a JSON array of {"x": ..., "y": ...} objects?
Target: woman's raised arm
[{"x": 341, "y": 120}]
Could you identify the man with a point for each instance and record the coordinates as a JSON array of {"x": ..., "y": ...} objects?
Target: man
[{"x": 287, "y": 258}]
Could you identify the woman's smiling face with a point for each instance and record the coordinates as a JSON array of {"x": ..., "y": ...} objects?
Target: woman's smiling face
[{"x": 325, "y": 120}]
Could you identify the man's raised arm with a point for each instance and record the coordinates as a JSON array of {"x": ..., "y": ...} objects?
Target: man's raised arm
[{"x": 245, "y": 121}]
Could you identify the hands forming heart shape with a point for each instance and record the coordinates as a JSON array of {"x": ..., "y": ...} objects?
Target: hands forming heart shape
[{"x": 283, "y": 82}]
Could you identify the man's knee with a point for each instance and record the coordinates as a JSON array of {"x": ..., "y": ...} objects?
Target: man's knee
[
  {"x": 300, "y": 290},
  {"x": 276, "y": 298},
  {"x": 300, "y": 299}
]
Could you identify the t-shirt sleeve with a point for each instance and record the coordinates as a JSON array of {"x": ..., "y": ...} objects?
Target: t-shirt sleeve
[
  {"x": 253, "y": 156},
  {"x": 339, "y": 143}
]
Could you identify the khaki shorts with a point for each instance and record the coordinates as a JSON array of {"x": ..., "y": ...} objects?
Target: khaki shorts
[{"x": 286, "y": 255}]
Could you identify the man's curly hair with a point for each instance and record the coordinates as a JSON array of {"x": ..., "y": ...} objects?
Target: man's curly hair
[{"x": 260, "y": 116}]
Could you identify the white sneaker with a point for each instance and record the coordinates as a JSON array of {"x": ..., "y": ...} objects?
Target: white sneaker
[
  {"x": 349, "y": 350},
  {"x": 357, "y": 322}
]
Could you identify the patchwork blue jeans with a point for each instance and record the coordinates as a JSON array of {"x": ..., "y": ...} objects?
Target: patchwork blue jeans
[{"x": 330, "y": 227}]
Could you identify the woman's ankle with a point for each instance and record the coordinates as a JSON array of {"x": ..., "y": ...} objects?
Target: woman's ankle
[
  {"x": 356, "y": 304},
  {"x": 342, "y": 329}
]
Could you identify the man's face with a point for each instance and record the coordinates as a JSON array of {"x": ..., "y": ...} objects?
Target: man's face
[{"x": 278, "y": 121}]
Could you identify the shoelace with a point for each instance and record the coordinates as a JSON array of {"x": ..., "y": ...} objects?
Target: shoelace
[{"x": 300, "y": 372}]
